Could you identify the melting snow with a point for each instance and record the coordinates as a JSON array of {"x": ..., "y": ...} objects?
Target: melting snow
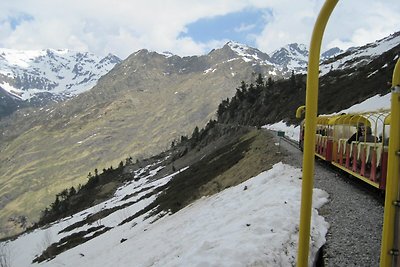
[
  {"x": 291, "y": 131},
  {"x": 372, "y": 73},
  {"x": 368, "y": 53},
  {"x": 209, "y": 70},
  {"x": 254, "y": 223}
]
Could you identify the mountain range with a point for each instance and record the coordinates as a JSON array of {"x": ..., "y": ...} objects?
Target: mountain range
[
  {"x": 137, "y": 109},
  {"x": 33, "y": 78},
  {"x": 56, "y": 75}
]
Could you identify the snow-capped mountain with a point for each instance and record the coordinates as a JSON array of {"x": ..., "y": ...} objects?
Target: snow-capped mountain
[
  {"x": 356, "y": 57},
  {"x": 60, "y": 74},
  {"x": 55, "y": 73},
  {"x": 279, "y": 64},
  {"x": 248, "y": 53},
  {"x": 295, "y": 57},
  {"x": 331, "y": 53},
  {"x": 292, "y": 56}
]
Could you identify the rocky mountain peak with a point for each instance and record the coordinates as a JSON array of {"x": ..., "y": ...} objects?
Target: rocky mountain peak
[
  {"x": 236, "y": 46},
  {"x": 248, "y": 53},
  {"x": 298, "y": 48},
  {"x": 292, "y": 56},
  {"x": 331, "y": 53},
  {"x": 222, "y": 54},
  {"x": 110, "y": 59}
]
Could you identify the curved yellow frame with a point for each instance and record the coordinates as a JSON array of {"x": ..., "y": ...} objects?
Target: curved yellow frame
[
  {"x": 392, "y": 179},
  {"x": 309, "y": 138},
  {"x": 351, "y": 119},
  {"x": 300, "y": 111},
  {"x": 392, "y": 183}
]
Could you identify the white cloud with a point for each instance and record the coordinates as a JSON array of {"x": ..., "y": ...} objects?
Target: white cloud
[
  {"x": 120, "y": 27},
  {"x": 244, "y": 27},
  {"x": 288, "y": 23},
  {"x": 352, "y": 23},
  {"x": 124, "y": 26}
]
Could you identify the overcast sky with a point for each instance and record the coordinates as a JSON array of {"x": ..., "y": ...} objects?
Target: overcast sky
[{"x": 188, "y": 27}]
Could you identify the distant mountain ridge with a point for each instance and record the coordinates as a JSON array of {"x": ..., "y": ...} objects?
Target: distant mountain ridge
[
  {"x": 44, "y": 75},
  {"x": 356, "y": 57},
  {"x": 35, "y": 78}
]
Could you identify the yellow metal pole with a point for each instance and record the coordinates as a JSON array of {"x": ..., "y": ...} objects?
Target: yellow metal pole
[
  {"x": 310, "y": 127},
  {"x": 393, "y": 172}
]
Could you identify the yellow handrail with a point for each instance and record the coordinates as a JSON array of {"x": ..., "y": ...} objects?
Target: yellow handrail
[
  {"x": 393, "y": 170},
  {"x": 309, "y": 138},
  {"x": 300, "y": 111}
]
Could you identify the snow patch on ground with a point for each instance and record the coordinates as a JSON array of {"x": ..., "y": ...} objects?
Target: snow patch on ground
[
  {"x": 252, "y": 224},
  {"x": 291, "y": 131}
]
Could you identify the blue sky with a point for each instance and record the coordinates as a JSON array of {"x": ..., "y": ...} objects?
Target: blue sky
[
  {"x": 242, "y": 26},
  {"x": 17, "y": 19},
  {"x": 190, "y": 27}
]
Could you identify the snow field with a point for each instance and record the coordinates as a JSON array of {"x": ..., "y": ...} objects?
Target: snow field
[{"x": 252, "y": 224}]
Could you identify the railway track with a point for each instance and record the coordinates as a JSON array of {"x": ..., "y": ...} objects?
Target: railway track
[
  {"x": 291, "y": 142},
  {"x": 354, "y": 212}
]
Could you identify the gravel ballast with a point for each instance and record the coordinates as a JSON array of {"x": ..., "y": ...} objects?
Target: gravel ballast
[{"x": 354, "y": 212}]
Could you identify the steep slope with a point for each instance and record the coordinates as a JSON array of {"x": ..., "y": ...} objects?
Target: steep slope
[
  {"x": 134, "y": 208},
  {"x": 357, "y": 57},
  {"x": 136, "y": 110},
  {"x": 9, "y": 103}
]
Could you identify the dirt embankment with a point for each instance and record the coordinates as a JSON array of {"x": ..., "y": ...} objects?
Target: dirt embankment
[
  {"x": 226, "y": 162},
  {"x": 262, "y": 153}
]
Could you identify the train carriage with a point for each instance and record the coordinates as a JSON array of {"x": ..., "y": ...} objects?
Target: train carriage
[{"x": 357, "y": 143}]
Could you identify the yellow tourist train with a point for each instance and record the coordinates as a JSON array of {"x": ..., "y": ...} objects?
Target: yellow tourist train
[{"x": 357, "y": 143}]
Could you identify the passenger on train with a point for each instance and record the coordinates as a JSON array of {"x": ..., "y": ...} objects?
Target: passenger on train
[
  {"x": 367, "y": 136},
  {"x": 321, "y": 131},
  {"x": 356, "y": 135}
]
